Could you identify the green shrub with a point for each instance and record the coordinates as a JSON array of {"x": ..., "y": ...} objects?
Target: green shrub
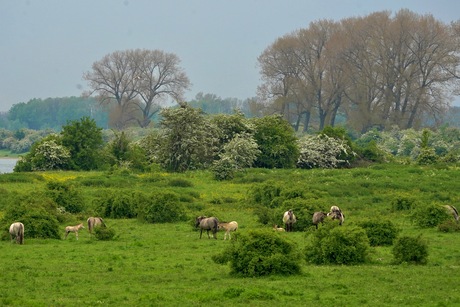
[
  {"x": 380, "y": 232},
  {"x": 261, "y": 253},
  {"x": 38, "y": 214},
  {"x": 430, "y": 215},
  {"x": 223, "y": 169},
  {"x": 332, "y": 244},
  {"x": 181, "y": 183},
  {"x": 402, "y": 202},
  {"x": 161, "y": 207},
  {"x": 449, "y": 226},
  {"x": 119, "y": 204},
  {"x": 410, "y": 250},
  {"x": 104, "y": 233},
  {"x": 264, "y": 193},
  {"x": 65, "y": 196}
]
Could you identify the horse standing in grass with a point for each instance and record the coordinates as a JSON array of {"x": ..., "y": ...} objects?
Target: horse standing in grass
[
  {"x": 17, "y": 232},
  {"x": 336, "y": 214},
  {"x": 75, "y": 229},
  {"x": 94, "y": 222},
  {"x": 207, "y": 223},
  {"x": 228, "y": 227},
  {"x": 289, "y": 219},
  {"x": 453, "y": 211},
  {"x": 318, "y": 217}
]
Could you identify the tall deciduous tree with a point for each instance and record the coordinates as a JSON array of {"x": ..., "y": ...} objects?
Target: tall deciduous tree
[{"x": 138, "y": 81}]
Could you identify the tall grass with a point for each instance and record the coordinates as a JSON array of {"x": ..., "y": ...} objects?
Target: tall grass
[{"x": 168, "y": 265}]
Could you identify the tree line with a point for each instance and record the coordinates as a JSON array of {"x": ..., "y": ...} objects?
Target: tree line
[
  {"x": 188, "y": 139},
  {"x": 379, "y": 70}
]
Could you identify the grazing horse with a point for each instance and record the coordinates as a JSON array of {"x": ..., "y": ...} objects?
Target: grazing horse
[
  {"x": 276, "y": 228},
  {"x": 93, "y": 222},
  {"x": 228, "y": 227},
  {"x": 75, "y": 229},
  {"x": 336, "y": 214},
  {"x": 452, "y": 210},
  {"x": 318, "y": 217},
  {"x": 289, "y": 219},
  {"x": 207, "y": 223},
  {"x": 17, "y": 232}
]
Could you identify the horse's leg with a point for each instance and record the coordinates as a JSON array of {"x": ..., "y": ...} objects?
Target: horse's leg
[
  {"x": 76, "y": 234},
  {"x": 66, "y": 234},
  {"x": 201, "y": 232}
]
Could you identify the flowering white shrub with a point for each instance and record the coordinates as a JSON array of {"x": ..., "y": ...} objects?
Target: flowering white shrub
[
  {"x": 322, "y": 151},
  {"x": 49, "y": 155}
]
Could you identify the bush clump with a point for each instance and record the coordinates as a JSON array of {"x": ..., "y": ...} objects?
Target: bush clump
[
  {"x": 430, "y": 215},
  {"x": 410, "y": 250},
  {"x": 65, "y": 196},
  {"x": 161, "y": 207},
  {"x": 261, "y": 253},
  {"x": 334, "y": 244},
  {"x": 449, "y": 226},
  {"x": 38, "y": 214},
  {"x": 104, "y": 233},
  {"x": 380, "y": 233}
]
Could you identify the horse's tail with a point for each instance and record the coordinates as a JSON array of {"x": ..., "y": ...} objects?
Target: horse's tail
[
  {"x": 102, "y": 222},
  {"x": 21, "y": 233},
  {"x": 455, "y": 212}
]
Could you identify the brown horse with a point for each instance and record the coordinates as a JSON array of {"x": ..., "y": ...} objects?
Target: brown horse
[
  {"x": 17, "y": 232},
  {"x": 276, "y": 228},
  {"x": 94, "y": 222},
  {"x": 318, "y": 217},
  {"x": 75, "y": 229},
  {"x": 207, "y": 223},
  {"x": 289, "y": 219},
  {"x": 228, "y": 227}
]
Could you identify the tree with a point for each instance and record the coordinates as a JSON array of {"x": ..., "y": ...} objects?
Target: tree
[
  {"x": 188, "y": 141},
  {"x": 138, "y": 81},
  {"x": 84, "y": 140},
  {"x": 276, "y": 141}
]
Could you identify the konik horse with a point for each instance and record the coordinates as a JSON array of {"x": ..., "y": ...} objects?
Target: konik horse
[
  {"x": 228, "y": 227},
  {"x": 17, "y": 232},
  {"x": 337, "y": 214},
  {"x": 207, "y": 223},
  {"x": 75, "y": 229},
  {"x": 94, "y": 222},
  {"x": 289, "y": 219},
  {"x": 318, "y": 217},
  {"x": 453, "y": 211}
]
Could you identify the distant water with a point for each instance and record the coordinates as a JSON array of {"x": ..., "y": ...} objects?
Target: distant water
[{"x": 7, "y": 165}]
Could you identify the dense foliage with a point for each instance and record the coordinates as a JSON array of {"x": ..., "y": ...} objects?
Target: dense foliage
[
  {"x": 410, "y": 250},
  {"x": 261, "y": 253},
  {"x": 337, "y": 245}
]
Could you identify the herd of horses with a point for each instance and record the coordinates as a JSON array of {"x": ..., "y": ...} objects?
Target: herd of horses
[
  {"x": 212, "y": 223},
  {"x": 17, "y": 229}
]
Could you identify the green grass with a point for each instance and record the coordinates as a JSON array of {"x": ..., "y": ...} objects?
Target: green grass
[{"x": 168, "y": 265}]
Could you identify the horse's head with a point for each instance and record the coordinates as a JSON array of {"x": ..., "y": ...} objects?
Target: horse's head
[{"x": 198, "y": 220}]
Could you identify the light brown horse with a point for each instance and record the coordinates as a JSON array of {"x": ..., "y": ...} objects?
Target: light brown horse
[
  {"x": 228, "y": 227},
  {"x": 75, "y": 229},
  {"x": 289, "y": 219},
  {"x": 17, "y": 232},
  {"x": 94, "y": 222},
  {"x": 207, "y": 223},
  {"x": 276, "y": 228}
]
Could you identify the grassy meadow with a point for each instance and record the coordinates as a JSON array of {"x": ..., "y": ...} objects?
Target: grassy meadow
[{"x": 168, "y": 265}]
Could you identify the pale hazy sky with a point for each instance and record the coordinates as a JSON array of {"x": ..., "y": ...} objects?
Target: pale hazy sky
[{"x": 47, "y": 45}]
